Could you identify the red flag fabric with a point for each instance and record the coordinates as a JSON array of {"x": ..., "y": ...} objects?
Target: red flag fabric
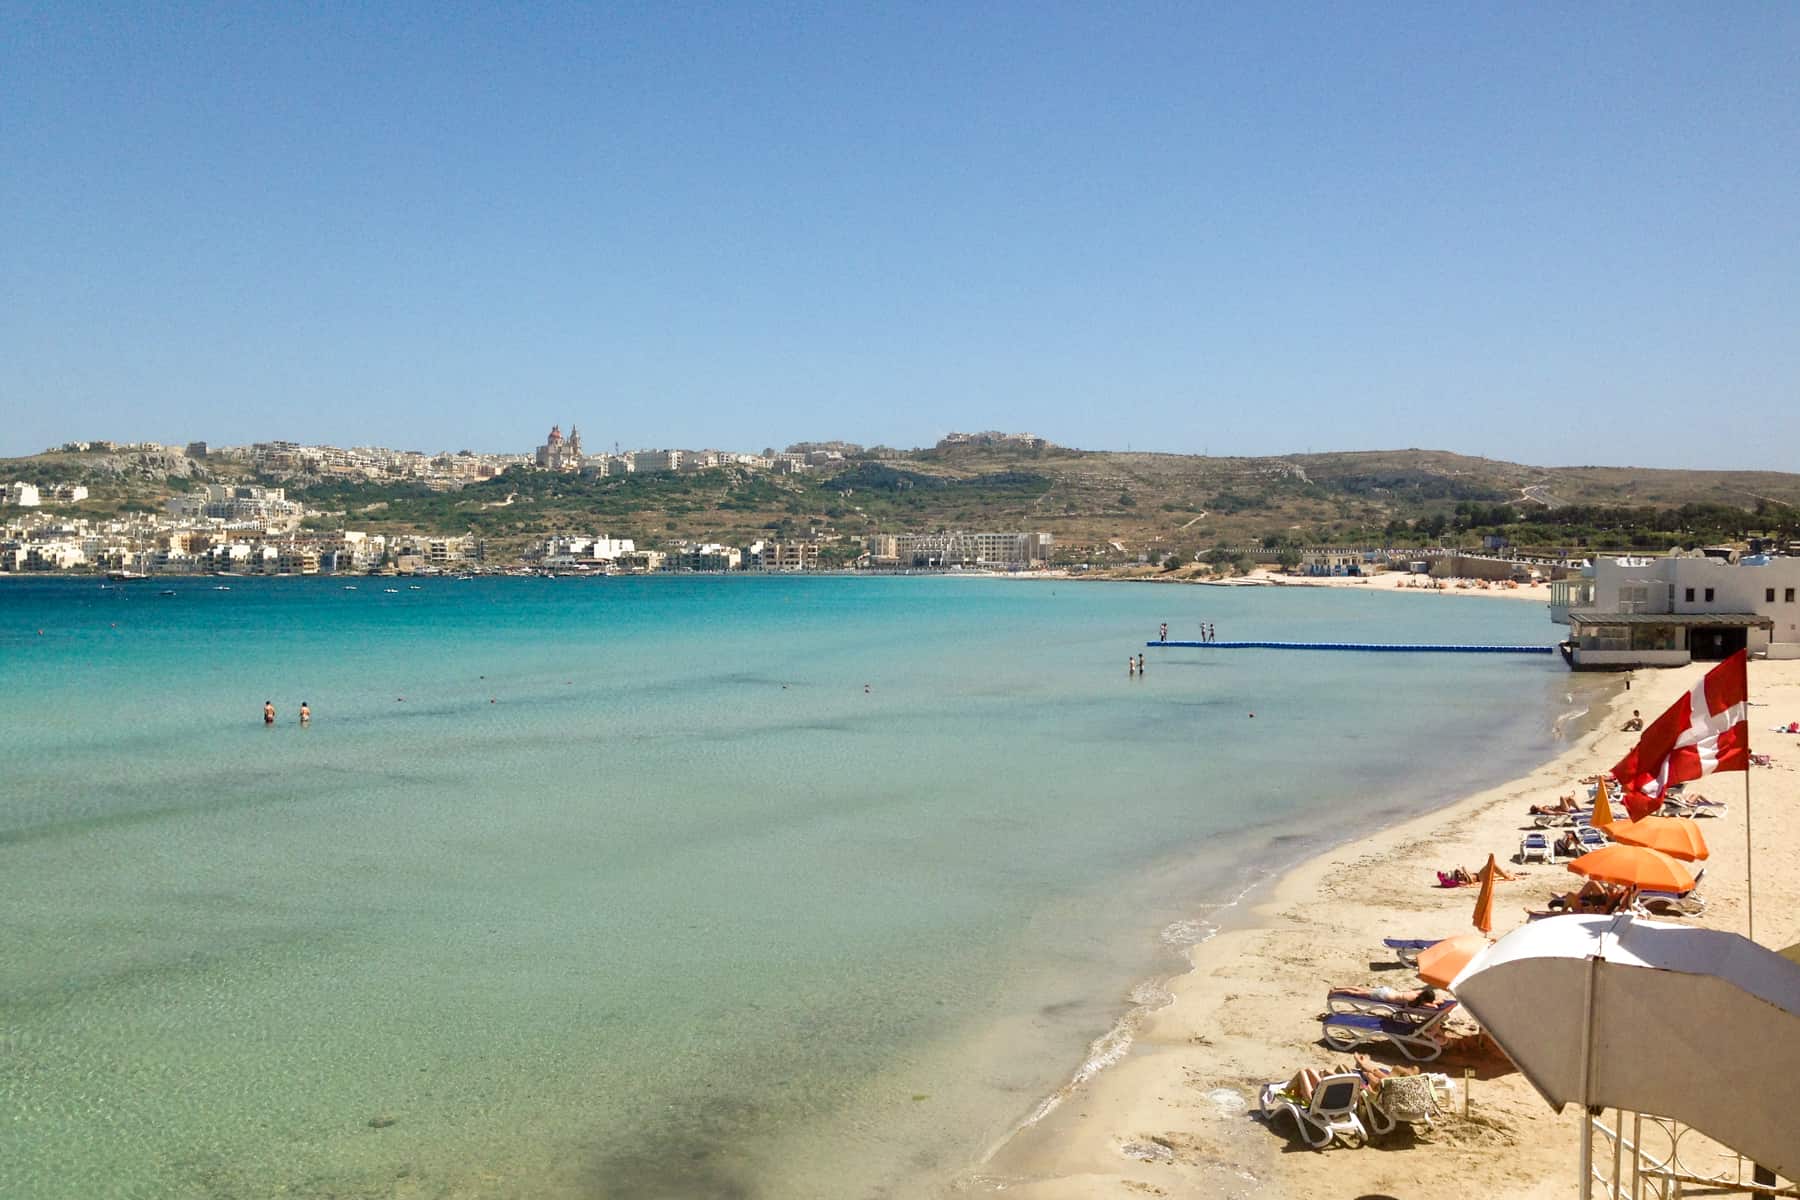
[{"x": 1705, "y": 731}]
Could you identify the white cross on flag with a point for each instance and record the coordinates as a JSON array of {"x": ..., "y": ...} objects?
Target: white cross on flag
[{"x": 1705, "y": 731}]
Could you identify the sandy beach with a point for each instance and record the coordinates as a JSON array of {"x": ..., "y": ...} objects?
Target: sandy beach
[
  {"x": 1176, "y": 1117},
  {"x": 1397, "y": 581},
  {"x": 1383, "y": 581}
]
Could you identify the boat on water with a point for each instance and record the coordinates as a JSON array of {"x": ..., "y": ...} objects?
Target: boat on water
[
  {"x": 413, "y": 587},
  {"x": 391, "y": 591},
  {"x": 220, "y": 588},
  {"x": 167, "y": 592},
  {"x": 123, "y": 576},
  {"x": 349, "y": 587}
]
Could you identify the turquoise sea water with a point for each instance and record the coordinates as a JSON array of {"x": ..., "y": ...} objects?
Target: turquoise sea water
[{"x": 667, "y": 887}]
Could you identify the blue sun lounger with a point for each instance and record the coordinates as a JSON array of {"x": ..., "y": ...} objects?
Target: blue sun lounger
[
  {"x": 1341, "y": 1001},
  {"x": 1420, "y": 1041},
  {"x": 1407, "y": 949}
]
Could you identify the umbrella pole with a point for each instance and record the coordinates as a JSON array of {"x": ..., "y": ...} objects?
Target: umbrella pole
[{"x": 1587, "y": 1066}]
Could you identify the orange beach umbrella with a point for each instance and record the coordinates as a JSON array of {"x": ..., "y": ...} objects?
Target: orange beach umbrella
[
  {"x": 1484, "y": 899},
  {"x": 1674, "y": 836},
  {"x": 1444, "y": 961},
  {"x": 1634, "y": 866}
]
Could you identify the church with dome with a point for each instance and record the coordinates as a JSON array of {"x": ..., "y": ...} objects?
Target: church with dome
[{"x": 558, "y": 453}]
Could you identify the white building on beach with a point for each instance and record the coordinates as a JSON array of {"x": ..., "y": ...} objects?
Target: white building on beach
[{"x": 1667, "y": 612}]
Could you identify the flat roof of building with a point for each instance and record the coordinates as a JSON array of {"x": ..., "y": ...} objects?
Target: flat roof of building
[{"x": 1589, "y": 616}]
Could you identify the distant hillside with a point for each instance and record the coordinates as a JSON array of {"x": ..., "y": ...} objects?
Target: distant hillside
[{"x": 1088, "y": 499}]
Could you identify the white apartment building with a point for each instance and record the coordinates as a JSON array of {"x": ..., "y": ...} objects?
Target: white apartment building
[
  {"x": 22, "y": 495},
  {"x": 47, "y": 556},
  {"x": 998, "y": 550},
  {"x": 222, "y": 503},
  {"x": 656, "y": 460},
  {"x": 782, "y": 556},
  {"x": 581, "y": 546},
  {"x": 1675, "y": 610},
  {"x": 710, "y": 557}
]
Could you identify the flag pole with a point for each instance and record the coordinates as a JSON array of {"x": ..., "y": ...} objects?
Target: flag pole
[{"x": 1749, "y": 849}]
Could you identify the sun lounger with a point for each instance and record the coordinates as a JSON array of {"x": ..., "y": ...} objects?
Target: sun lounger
[
  {"x": 1340, "y": 1001},
  {"x": 1673, "y": 904},
  {"x": 1554, "y": 820},
  {"x": 1592, "y": 838},
  {"x": 1330, "y": 1115},
  {"x": 1534, "y": 847},
  {"x": 1407, "y": 949},
  {"x": 1420, "y": 1041},
  {"x": 1676, "y": 806},
  {"x": 1405, "y": 1099},
  {"x": 1670, "y": 904}
]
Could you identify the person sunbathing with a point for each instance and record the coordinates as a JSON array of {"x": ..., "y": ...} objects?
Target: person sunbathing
[
  {"x": 1568, "y": 846},
  {"x": 1564, "y": 804},
  {"x": 1306, "y": 1080},
  {"x": 1424, "y": 997},
  {"x": 1593, "y": 897},
  {"x": 1374, "y": 1072},
  {"x": 1302, "y": 1085},
  {"x": 1463, "y": 877}
]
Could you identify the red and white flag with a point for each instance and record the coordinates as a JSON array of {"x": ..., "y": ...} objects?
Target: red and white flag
[{"x": 1705, "y": 731}]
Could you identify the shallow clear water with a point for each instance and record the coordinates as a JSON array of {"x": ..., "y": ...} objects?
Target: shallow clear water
[{"x": 629, "y": 887}]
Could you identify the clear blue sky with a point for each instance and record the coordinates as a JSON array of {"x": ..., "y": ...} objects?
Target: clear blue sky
[{"x": 1564, "y": 234}]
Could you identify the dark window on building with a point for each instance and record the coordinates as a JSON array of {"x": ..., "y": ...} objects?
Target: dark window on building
[
  {"x": 1768, "y": 595},
  {"x": 1690, "y": 595},
  {"x": 1709, "y": 595},
  {"x": 1789, "y": 596}
]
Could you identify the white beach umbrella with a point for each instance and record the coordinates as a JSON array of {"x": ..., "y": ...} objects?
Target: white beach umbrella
[{"x": 1620, "y": 1012}]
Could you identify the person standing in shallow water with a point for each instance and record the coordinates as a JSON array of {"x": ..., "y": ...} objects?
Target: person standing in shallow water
[
  {"x": 305, "y": 713},
  {"x": 1162, "y": 634},
  {"x": 268, "y": 712}
]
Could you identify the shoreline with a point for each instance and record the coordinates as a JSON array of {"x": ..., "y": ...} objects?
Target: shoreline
[
  {"x": 1172, "y": 1116},
  {"x": 1384, "y": 581}
]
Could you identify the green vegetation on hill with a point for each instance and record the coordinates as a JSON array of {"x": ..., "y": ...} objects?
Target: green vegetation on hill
[{"x": 1149, "y": 503}]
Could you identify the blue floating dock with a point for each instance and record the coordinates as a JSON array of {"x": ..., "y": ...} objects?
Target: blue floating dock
[{"x": 1358, "y": 647}]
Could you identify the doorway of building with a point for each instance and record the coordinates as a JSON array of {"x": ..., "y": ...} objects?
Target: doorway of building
[{"x": 1715, "y": 645}]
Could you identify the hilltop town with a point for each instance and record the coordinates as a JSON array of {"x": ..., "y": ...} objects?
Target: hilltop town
[
  {"x": 990, "y": 500},
  {"x": 264, "y": 509}
]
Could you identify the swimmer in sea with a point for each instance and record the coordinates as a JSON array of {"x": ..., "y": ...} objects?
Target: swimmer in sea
[
  {"x": 305, "y": 714},
  {"x": 268, "y": 712}
]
